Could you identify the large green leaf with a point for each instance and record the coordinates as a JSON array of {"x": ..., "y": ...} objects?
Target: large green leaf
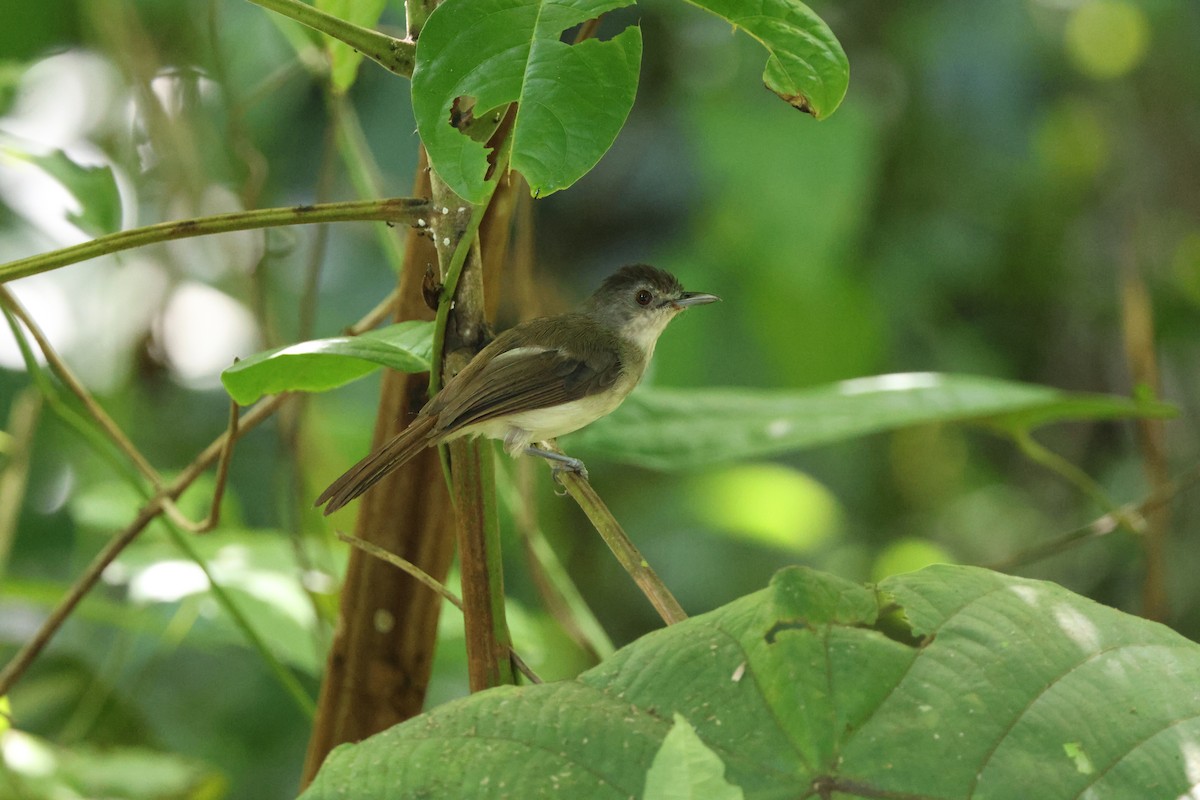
[
  {"x": 951, "y": 682},
  {"x": 571, "y": 99},
  {"x": 324, "y": 364},
  {"x": 806, "y": 66},
  {"x": 678, "y": 429}
]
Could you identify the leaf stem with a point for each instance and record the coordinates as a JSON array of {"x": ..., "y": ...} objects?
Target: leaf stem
[
  {"x": 395, "y": 55},
  {"x": 405, "y": 210},
  {"x": 1052, "y": 461}
]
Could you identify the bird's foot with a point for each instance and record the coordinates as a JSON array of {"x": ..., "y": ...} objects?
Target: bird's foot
[{"x": 560, "y": 464}]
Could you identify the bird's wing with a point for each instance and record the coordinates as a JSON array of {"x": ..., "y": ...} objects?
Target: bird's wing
[{"x": 574, "y": 359}]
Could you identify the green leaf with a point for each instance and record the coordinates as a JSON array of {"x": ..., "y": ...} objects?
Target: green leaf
[
  {"x": 680, "y": 429},
  {"x": 324, "y": 364},
  {"x": 94, "y": 187},
  {"x": 571, "y": 99},
  {"x": 807, "y": 66},
  {"x": 948, "y": 683},
  {"x": 344, "y": 57},
  {"x": 684, "y": 768}
]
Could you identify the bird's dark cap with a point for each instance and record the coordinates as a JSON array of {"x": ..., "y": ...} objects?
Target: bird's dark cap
[{"x": 642, "y": 275}]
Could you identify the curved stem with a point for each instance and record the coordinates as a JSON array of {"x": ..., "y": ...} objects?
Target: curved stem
[
  {"x": 405, "y": 210},
  {"x": 1074, "y": 475}
]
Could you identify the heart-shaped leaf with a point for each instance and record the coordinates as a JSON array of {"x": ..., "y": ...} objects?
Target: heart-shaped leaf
[
  {"x": 806, "y": 65},
  {"x": 571, "y": 100},
  {"x": 948, "y": 683}
]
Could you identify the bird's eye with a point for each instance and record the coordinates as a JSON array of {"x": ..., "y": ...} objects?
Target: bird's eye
[{"x": 643, "y": 297}]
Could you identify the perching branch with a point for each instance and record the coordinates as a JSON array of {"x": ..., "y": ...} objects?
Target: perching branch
[{"x": 623, "y": 548}]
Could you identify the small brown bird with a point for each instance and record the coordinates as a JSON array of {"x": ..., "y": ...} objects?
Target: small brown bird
[{"x": 540, "y": 379}]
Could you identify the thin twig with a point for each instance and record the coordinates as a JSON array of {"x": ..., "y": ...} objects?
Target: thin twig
[
  {"x": 1052, "y": 461},
  {"x": 622, "y": 547},
  {"x": 76, "y": 387},
  {"x": 1102, "y": 526},
  {"x": 375, "y": 316},
  {"x": 30, "y": 650},
  {"x": 113, "y": 431},
  {"x": 403, "y": 565},
  {"x": 22, "y": 424},
  {"x": 425, "y": 579},
  {"x": 363, "y": 170},
  {"x": 397, "y": 210}
]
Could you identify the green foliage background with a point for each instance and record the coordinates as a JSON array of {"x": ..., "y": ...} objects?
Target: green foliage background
[{"x": 969, "y": 209}]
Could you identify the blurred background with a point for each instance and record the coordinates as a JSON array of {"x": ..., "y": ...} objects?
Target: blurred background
[{"x": 995, "y": 174}]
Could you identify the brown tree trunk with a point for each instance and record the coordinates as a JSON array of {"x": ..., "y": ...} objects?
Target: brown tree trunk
[{"x": 379, "y": 664}]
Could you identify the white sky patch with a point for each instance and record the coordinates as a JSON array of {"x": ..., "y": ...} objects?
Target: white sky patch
[
  {"x": 203, "y": 330},
  {"x": 213, "y": 257},
  {"x": 62, "y": 102},
  {"x": 27, "y": 756},
  {"x": 48, "y": 304},
  {"x": 167, "y": 582},
  {"x": 63, "y": 99}
]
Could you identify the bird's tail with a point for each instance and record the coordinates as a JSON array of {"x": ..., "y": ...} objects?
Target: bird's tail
[{"x": 390, "y": 455}]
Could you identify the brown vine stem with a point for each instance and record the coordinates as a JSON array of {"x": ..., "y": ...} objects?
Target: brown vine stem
[
  {"x": 618, "y": 541},
  {"x": 402, "y": 564},
  {"x": 1137, "y": 323},
  {"x": 396, "y": 210},
  {"x": 114, "y": 432},
  {"x": 423, "y": 577},
  {"x": 148, "y": 513}
]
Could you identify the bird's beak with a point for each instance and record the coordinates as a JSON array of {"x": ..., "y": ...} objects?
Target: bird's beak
[{"x": 694, "y": 299}]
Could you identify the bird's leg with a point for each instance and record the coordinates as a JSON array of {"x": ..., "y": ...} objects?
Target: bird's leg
[{"x": 563, "y": 463}]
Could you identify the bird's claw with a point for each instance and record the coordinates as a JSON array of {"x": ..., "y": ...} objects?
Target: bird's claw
[{"x": 574, "y": 466}]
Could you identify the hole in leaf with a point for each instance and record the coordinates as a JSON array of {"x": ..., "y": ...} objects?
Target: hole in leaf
[
  {"x": 462, "y": 111},
  {"x": 466, "y": 118},
  {"x": 602, "y": 28},
  {"x": 894, "y": 624},
  {"x": 784, "y": 625}
]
